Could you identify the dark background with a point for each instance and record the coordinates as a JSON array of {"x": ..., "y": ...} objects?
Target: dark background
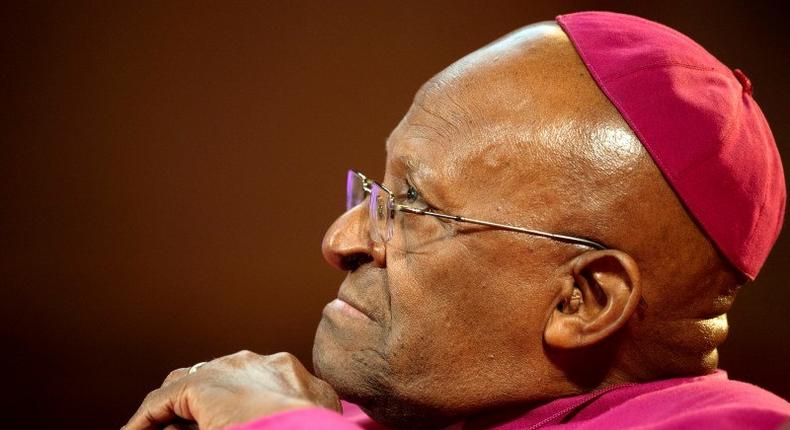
[{"x": 169, "y": 168}]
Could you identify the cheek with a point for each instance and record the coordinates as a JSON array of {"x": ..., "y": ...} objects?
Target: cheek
[{"x": 460, "y": 301}]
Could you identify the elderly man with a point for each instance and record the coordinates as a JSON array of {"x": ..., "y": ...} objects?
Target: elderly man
[{"x": 564, "y": 221}]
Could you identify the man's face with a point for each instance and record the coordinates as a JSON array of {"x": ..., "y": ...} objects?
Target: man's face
[
  {"x": 442, "y": 303},
  {"x": 447, "y": 317}
]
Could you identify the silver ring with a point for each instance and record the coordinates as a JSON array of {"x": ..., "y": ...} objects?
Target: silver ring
[{"x": 195, "y": 368}]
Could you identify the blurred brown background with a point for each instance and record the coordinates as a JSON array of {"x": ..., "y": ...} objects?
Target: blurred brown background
[{"x": 169, "y": 168}]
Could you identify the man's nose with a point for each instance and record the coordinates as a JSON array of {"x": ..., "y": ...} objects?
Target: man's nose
[{"x": 347, "y": 244}]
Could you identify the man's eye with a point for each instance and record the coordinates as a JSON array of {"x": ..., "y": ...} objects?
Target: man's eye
[{"x": 411, "y": 194}]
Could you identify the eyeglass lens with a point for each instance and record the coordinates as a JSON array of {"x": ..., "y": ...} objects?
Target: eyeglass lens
[
  {"x": 381, "y": 213},
  {"x": 381, "y": 207},
  {"x": 355, "y": 190}
]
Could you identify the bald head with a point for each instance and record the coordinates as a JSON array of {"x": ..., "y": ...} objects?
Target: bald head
[
  {"x": 523, "y": 120},
  {"x": 525, "y": 113}
]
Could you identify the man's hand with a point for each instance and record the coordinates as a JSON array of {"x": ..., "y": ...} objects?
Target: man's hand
[{"x": 231, "y": 390}]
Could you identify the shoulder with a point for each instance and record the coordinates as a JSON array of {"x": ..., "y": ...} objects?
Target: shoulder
[
  {"x": 709, "y": 391},
  {"x": 711, "y": 401},
  {"x": 724, "y": 404}
]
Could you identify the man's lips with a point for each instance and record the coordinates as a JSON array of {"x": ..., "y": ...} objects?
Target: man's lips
[
  {"x": 356, "y": 297},
  {"x": 350, "y": 306}
]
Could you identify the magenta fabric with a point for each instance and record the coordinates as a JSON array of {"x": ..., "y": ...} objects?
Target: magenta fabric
[
  {"x": 700, "y": 402},
  {"x": 353, "y": 418},
  {"x": 698, "y": 121},
  {"x": 299, "y": 419}
]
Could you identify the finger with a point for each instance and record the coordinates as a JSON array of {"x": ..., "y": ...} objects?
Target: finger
[
  {"x": 161, "y": 407},
  {"x": 175, "y": 375},
  {"x": 183, "y": 425},
  {"x": 325, "y": 395}
]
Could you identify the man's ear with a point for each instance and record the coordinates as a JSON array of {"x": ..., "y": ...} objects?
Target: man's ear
[{"x": 599, "y": 293}]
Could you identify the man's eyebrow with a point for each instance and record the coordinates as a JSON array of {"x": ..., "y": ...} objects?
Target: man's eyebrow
[{"x": 409, "y": 163}]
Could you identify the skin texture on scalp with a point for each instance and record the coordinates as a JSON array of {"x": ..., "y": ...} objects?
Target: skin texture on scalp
[{"x": 460, "y": 316}]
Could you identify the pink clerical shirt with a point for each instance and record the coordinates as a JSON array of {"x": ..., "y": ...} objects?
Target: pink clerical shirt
[{"x": 702, "y": 402}]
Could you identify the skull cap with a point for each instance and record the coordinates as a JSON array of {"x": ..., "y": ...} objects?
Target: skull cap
[{"x": 698, "y": 121}]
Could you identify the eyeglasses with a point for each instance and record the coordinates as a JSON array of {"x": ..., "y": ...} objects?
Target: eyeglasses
[{"x": 383, "y": 207}]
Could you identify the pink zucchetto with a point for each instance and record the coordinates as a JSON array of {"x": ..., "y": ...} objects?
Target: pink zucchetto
[{"x": 698, "y": 121}]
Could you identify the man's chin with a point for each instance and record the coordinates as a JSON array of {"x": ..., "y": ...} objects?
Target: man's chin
[
  {"x": 346, "y": 360},
  {"x": 361, "y": 375}
]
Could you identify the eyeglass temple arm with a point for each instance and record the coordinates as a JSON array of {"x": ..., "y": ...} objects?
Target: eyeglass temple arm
[{"x": 560, "y": 237}]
